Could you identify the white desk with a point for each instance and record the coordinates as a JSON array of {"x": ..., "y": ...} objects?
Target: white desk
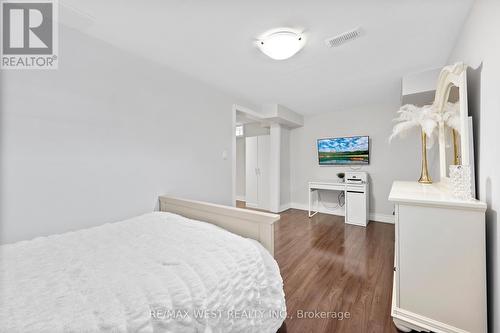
[{"x": 356, "y": 199}]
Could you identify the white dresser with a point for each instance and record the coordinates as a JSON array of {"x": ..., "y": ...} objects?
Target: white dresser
[{"x": 440, "y": 260}]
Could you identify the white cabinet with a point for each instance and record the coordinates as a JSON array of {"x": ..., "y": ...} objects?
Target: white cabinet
[
  {"x": 440, "y": 260},
  {"x": 257, "y": 172},
  {"x": 356, "y": 202}
]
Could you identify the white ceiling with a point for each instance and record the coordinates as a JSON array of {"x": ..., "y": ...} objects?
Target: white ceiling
[{"x": 213, "y": 41}]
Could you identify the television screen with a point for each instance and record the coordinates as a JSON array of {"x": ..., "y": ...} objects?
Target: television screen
[{"x": 341, "y": 151}]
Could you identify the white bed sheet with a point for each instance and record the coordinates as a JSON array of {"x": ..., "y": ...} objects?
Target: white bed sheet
[{"x": 159, "y": 272}]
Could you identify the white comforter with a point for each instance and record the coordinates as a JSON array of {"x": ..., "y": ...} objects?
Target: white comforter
[{"x": 159, "y": 272}]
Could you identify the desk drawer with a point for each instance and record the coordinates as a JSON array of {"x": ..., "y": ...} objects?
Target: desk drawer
[
  {"x": 332, "y": 187},
  {"x": 356, "y": 187}
]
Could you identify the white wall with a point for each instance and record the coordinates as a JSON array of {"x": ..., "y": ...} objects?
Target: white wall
[
  {"x": 420, "y": 88},
  {"x": 479, "y": 46},
  {"x": 423, "y": 81},
  {"x": 240, "y": 168},
  {"x": 100, "y": 138},
  {"x": 399, "y": 160}
]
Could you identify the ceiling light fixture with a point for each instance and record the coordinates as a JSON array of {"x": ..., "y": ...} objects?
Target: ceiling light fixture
[{"x": 281, "y": 44}]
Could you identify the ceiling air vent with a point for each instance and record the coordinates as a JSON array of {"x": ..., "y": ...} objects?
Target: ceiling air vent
[{"x": 343, "y": 38}]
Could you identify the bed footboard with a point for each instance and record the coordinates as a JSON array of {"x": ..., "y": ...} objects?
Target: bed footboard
[{"x": 243, "y": 222}]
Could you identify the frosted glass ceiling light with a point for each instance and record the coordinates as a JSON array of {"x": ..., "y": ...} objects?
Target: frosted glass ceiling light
[{"x": 281, "y": 44}]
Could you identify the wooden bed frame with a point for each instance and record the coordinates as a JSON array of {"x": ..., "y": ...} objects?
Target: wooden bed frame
[{"x": 243, "y": 222}]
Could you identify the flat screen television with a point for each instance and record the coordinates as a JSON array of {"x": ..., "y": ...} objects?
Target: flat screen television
[{"x": 352, "y": 150}]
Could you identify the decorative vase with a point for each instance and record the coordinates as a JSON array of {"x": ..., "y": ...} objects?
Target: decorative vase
[
  {"x": 341, "y": 176},
  {"x": 461, "y": 181},
  {"x": 425, "y": 178},
  {"x": 456, "y": 153}
]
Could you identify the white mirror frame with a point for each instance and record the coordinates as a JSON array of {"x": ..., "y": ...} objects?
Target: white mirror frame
[{"x": 454, "y": 75}]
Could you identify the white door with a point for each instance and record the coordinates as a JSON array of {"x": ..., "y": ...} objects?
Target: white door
[
  {"x": 264, "y": 152},
  {"x": 257, "y": 172},
  {"x": 251, "y": 172},
  {"x": 355, "y": 207}
]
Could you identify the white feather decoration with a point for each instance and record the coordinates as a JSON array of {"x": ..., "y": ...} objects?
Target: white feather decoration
[
  {"x": 451, "y": 116},
  {"x": 411, "y": 116}
]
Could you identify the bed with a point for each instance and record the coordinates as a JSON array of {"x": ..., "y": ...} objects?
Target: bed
[{"x": 160, "y": 272}]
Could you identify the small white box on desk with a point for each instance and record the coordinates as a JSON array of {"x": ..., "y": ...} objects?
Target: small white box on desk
[{"x": 356, "y": 177}]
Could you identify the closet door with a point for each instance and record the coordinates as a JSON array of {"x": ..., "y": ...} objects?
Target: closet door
[
  {"x": 263, "y": 171},
  {"x": 251, "y": 172}
]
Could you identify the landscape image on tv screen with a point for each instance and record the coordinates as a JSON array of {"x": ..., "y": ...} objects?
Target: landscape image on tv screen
[{"x": 341, "y": 151}]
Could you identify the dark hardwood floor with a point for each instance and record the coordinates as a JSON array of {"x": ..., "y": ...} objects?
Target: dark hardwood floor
[{"x": 329, "y": 266}]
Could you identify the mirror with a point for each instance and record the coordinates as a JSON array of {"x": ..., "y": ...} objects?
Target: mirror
[
  {"x": 452, "y": 129},
  {"x": 451, "y": 104}
]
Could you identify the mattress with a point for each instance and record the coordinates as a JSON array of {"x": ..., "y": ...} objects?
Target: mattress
[{"x": 159, "y": 272}]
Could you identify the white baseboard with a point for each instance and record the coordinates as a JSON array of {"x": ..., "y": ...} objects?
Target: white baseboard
[
  {"x": 321, "y": 209},
  {"x": 240, "y": 198},
  {"x": 420, "y": 323},
  {"x": 384, "y": 218},
  {"x": 285, "y": 207},
  {"x": 251, "y": 205},
  {"x": 377, "y": 217},
  {"x": 282, "y": 208}
]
